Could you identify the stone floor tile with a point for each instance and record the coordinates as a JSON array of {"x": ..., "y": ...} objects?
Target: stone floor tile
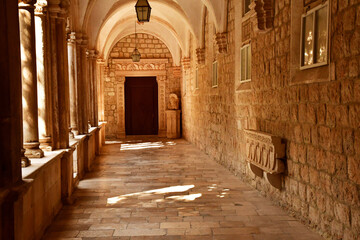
[
  {"x": 176, "y": 231},
  {"x": 198, "y": 231},
  {"x": 96, "y": 233},
  {"x": 143, "y": 226},
  {"x": 239, "y": 231},
  {"x": 108, "y": 226},
  {"x": 204, "y": 224},
  {"x": 140, "y": 232},
  {"x": 63, "y": 234},
  {"x": 175, "y": 225},
  {"x": 234, "y": 237},
  {"x": 174, "y": 192}
]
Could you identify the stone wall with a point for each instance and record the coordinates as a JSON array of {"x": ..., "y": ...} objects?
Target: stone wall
[
  {"x": 319, "y": 121},
  {"x": 150, "y": 47}
]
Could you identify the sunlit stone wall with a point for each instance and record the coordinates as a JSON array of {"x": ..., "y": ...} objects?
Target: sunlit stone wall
[{"x": 319, "y": 120}]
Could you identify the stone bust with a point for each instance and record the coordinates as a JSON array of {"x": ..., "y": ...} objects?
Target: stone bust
[{"x": 173, "y": 102}]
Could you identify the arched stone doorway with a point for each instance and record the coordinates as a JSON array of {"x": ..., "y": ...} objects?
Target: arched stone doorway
[
  {"x": 145, "y": 68},
  {"x": 156, "y": 61}
]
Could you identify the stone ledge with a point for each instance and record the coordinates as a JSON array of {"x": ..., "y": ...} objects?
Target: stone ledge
[
  {"x": 92, "y": 130},
  {"x": 37, "y": 164}
]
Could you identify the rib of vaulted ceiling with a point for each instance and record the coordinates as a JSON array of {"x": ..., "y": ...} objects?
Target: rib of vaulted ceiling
[{"x": 172, "y": 21}]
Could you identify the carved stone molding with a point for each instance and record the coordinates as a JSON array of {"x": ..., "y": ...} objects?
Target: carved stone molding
[
  {"x": 262, "y": 15},
  {"x": 221, "y": 42},
  {"x": 200, "y": 54},
  {"x": 139, "y": 66},
  {"x": 265, "y": 152},
  {"x": 185, "y": 62}
]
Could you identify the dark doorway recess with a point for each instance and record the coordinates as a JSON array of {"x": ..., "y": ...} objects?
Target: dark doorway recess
[{"x": 141, "y": 106}]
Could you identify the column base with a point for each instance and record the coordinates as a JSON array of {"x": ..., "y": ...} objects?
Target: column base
[
  {"x": 75, "y": 131},
  {"x": 25, "y": 162},
  {"x": 32, "y": 150},
  {"x": 46, "y": 144},
  {"x": 120, "y": 135},
  {"x": 71, "y": 135},
  {"x": 162, "y": 133}
]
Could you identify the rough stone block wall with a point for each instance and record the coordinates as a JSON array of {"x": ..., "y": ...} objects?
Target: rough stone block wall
[
  {"x": 319, "y": 121},
  {"x": 150, "y": 47}
]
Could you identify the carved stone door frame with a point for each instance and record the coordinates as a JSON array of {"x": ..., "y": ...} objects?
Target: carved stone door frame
[{"x": 144, "y": 68}]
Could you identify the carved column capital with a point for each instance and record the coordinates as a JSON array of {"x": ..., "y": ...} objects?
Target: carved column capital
[
  {"x": 41, "y": 7},
  {"x": 26, "y": 2},
  {"x": 72, "y": 37},
  {"x": 221, "y": 42},
  {"x": 100, "y": 61},
  {"x": 58, "y": 8},
  {"x": 91, "y": 53},
  {"x": 200, "y": 54},
  {"x": 185, "y": 62},
  {"x": 84, "y": 41}
]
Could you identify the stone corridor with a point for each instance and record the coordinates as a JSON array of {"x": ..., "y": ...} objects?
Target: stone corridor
[{"x": 156, "y": 188}]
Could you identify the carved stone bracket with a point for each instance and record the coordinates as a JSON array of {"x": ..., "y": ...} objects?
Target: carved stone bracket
[
  {"x": 262, "y": 15},
  {"x": 185, "y": 62},
  {"x": 265, "y": 153},
  {"x": 200, "y": 54},
  {"x": 221, "y": 42},
  {"x": 176, "y": 71}
]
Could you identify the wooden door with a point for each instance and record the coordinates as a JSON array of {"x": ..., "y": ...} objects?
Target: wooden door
[{"x": 141, "y": 106}]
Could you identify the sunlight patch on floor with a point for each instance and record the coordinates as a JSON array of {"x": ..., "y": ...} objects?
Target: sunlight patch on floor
[
  {"x": 138, "y": 146},
  {"x": 186, "y": 198},
  {"x": 174, "y": 189}
]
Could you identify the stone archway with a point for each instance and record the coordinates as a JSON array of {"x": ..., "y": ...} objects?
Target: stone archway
[{"x": 145, "y": 68}]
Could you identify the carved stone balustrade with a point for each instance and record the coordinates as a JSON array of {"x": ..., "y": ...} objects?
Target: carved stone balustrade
[{"x": 265, "y": 153}]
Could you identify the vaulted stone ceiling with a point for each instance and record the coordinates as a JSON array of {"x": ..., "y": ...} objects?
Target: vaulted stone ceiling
[{"x": 173, "y": 21}]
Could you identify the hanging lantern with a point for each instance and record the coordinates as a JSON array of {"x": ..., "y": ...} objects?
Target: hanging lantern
[
  {"x": 136, "y": 55},
  {"x": 143, "y": 10}
]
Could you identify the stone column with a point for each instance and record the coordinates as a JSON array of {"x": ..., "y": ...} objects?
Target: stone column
[
  {"x": 161, "y": 80},
  {"x": 120, "y": 103},
  {"x": 29, "y": 79},
  {"x": 53, "y": 12},
  {"x": 63, "y": 81},
  {"x": 73, "y": 83},
  {"x": 10, "y": 96},
  {"x": 59, "y": 76},
  {"x": 82, "y": 90},
  {"x": 95, "y": 92},
  {"x": 43, "y": 78},
  {"x": 11, "y": 129},
  {"x": 100, "y": 88},
  {"x": 90, "y": 80}
]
